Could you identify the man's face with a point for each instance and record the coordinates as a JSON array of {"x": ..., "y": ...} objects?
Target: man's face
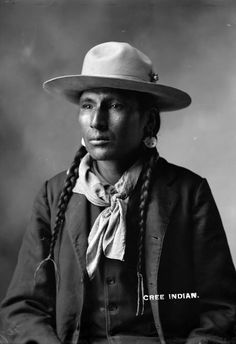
[{"x": 111, "y": 123}]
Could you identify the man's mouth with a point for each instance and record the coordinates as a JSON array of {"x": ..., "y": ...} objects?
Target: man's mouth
[{"x": 99, "y": 140}]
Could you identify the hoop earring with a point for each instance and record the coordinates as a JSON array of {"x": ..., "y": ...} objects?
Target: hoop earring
[
  {"x": 82, "y": 142},
  {"x": 150, "y": 141}
]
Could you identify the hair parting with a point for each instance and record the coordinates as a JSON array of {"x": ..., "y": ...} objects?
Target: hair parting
[{"x": 63, "y": 201}]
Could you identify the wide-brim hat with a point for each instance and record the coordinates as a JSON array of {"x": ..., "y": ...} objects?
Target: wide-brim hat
[{"x": 118, "y": 65}]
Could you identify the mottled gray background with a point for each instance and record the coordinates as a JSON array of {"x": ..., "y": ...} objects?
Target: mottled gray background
[{"x": 193, "y": 46}]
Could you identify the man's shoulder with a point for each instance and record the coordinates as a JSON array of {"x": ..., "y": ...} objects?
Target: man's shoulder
[
  {"x": 54, "y": 186},
  {"x": 58, "y": 180},
  {"x": 173, "y": 173}
]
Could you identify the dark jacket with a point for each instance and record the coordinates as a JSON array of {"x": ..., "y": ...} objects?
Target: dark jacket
[{"x": 185, "y": 251}]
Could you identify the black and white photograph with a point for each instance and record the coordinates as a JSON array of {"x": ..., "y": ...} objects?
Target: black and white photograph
[{"x": 118, "y": 165}]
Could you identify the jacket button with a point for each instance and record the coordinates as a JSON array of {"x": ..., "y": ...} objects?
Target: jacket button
[
  {"x": 112, "y": 307},
  {"x": 110, "y": 280}
]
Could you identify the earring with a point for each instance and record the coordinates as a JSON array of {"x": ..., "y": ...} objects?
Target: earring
[
  {"x": 150, "y": 141},
  {"x": 82, "y": 142}
]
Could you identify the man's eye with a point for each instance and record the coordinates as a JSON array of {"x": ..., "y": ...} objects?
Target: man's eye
[
  {"x": 117, "y": 106},
  {"x": 86, "y": 106}
]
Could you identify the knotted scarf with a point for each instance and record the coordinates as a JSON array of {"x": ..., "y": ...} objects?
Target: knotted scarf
[{"x": 108, "y": 234}]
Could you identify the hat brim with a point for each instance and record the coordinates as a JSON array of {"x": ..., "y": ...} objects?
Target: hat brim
[{"x": 71, "y": 86}]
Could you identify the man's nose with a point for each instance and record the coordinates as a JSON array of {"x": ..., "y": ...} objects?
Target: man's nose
[{"x": 99, "y": 119}]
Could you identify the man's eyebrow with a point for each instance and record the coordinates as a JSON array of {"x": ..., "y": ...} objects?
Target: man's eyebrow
[
  {"x": 87, "y": 99},
  {"x": 109, "y": 98}
]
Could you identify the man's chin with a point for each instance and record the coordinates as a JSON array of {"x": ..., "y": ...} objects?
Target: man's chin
[{"x": 102, "y": 154}]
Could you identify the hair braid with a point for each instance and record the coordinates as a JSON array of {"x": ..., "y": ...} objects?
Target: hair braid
[
  {"x": 64, "y": 199},
  {"x": 144, "y": 199}
]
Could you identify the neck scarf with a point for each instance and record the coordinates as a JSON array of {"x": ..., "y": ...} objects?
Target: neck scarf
[{"x": 108, "y": 234}]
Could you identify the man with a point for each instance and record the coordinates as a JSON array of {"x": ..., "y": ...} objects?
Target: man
[{"x": 124, "y": 247}]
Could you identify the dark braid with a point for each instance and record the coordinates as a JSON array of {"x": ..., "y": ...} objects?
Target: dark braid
[
  {"x": 143, "y": 205},
  {"x": 64, "y": 199}
]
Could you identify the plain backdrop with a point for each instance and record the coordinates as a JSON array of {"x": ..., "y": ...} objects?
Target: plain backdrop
[{"x": 193, "y": 47}]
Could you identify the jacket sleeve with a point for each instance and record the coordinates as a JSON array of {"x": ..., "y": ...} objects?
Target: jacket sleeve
[
  {"x": 28, "y": 310},
  {"x": 214, "y": 272}
]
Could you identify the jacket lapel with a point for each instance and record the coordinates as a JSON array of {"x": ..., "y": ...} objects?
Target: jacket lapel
[
  {"x": 77, "y": 217},
  {"x": 162, "y": 202}
]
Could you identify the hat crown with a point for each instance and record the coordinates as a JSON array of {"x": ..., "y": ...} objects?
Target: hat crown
[{"x": 117, "y": 59}]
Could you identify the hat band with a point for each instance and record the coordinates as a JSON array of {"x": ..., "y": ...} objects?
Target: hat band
[{"x": 119, "y": 76}]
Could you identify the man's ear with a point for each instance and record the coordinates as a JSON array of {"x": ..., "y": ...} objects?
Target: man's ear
[{"x": 151, "y": 125}]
